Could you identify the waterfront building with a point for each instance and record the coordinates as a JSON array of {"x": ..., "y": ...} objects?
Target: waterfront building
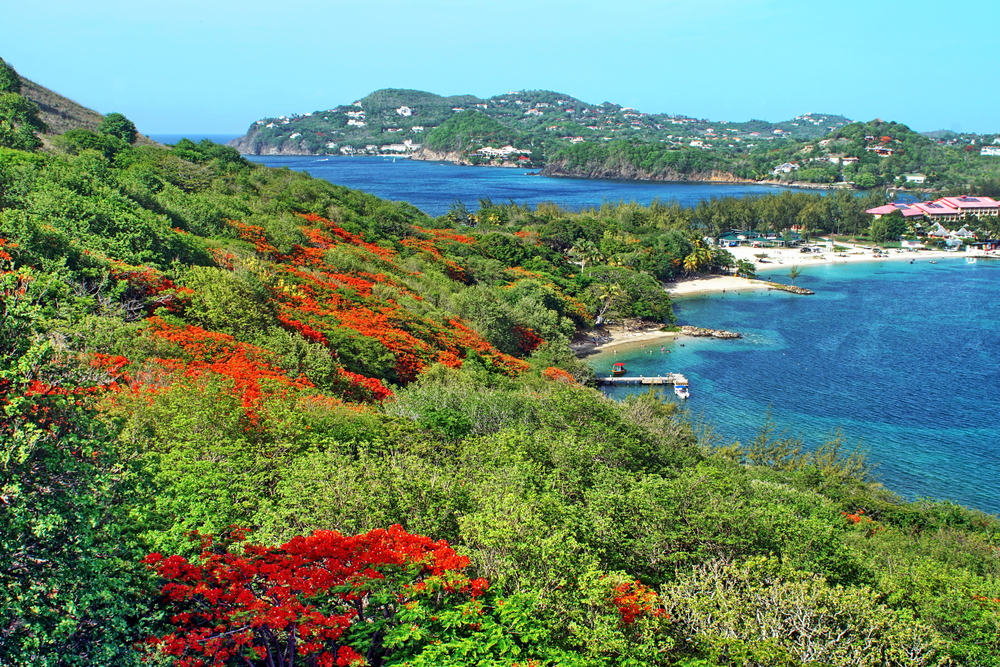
[{"x": 943, "y": 209}]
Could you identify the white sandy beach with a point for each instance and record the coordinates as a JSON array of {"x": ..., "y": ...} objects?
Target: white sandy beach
[
  {"x": 776, "y": 264},
  {"x": 616, "y": 337},
  {"x": 777, "y": 261}
]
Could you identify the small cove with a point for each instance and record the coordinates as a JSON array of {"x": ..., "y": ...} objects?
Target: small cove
[{"x": 901, "y": 358}]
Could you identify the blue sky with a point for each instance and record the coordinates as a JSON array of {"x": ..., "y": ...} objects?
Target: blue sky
[{"x": 204, "y": 66}]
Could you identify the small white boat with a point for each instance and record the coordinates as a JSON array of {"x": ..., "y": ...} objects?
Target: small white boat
[{"x": 682, "y": 391}]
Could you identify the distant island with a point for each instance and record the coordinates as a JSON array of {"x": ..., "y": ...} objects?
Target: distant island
[{"x": 564, "y": 136}]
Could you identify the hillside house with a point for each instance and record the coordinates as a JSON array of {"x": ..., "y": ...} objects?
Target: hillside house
[
  {"x": 786, "y": 168},
  {"x": 881, "y": 151},
  {"x": 506, "y": 151},
  {"x": 915, "y": 178}
]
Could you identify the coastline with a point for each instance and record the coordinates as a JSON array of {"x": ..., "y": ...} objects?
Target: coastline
[
  {"x": 618, "y": 337},
  {"x": 425, "y": 155},
  {"x": 779, "y": 260}
]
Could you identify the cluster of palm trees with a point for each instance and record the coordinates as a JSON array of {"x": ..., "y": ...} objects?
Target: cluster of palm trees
[{"x": 699, "y": 259}]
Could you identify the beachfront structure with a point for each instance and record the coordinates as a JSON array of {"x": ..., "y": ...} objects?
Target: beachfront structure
[
  {"x": 915, "y": 178},
  {"x": 989, "y": 245},
  {"x": 944, "y": 209},
  {"x": 739, "y": 237},
  {"x": 879, "y": 211},
  {"x": 937, "y": 230}
]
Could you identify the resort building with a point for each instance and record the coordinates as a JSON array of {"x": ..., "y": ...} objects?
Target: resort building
[
  {"x": 944, "y": 209},
  {"x": 970, "y": 205},
  {"x": 905, "y": 209}
]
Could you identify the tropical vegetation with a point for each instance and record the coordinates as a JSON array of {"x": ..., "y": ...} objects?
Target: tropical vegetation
[{"x": 253, "y": 418}]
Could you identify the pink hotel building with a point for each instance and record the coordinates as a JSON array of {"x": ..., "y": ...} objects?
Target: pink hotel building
[{"x": 946, "y": 208}]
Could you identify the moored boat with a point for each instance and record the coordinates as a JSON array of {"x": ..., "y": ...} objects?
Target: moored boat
[
  {"x": 682, "y": 391},
  {"x": 618, "y": 369}
]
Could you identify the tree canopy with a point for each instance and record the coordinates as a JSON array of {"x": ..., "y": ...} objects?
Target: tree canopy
[{"x": 117, "y": 125}]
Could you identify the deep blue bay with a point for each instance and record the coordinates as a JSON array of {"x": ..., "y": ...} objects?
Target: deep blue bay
[
  {"x": 434, "y": 186},
  {"x": 901, "y": 358}
]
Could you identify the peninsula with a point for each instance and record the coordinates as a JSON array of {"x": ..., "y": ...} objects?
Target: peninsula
[{"x": 564, "y": 136}]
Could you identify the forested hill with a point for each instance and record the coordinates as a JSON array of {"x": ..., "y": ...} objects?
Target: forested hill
[
  {"x": 253, "y": 418},
  {"x": 569, "y": 137},
  {"x": 536, "y": 119}
]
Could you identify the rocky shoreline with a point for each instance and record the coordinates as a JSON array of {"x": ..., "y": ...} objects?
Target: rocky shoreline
[
  {"x": 794, "y": 289},
  {"x": 701, "y": 332}
]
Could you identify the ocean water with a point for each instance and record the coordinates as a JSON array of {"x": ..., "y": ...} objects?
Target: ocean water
[
  {"x": 434, "y": 186},
  {"x": 903, "y": 359}
]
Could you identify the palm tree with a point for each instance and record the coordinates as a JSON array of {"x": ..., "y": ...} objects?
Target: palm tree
[
  {"x": 699, "y": 258},
  {"x": 691, "y": 263},
  {"x": 794, "y": 273},
  {"x": 586, "y": 251}
]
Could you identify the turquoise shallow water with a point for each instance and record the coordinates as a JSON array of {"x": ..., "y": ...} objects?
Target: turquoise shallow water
[{"x": 903, "y": 358}]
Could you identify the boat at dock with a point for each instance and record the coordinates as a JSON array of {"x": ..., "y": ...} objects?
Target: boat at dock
[
  {"x": 618, "y": 369},
  {"x": 682, "y": 391}
]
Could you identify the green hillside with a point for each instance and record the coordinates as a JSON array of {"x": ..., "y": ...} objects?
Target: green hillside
[
  {"x": 542, "y": 118},
  {"x": 377, "y": 418},
  {"x": 570, "y": 137}
]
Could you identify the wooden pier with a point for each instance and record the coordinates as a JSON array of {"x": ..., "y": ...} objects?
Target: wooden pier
[{"x": 671, "y": 378}]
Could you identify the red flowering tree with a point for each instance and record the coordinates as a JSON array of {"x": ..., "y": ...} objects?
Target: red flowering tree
[{"x": 318, "y": 601}]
